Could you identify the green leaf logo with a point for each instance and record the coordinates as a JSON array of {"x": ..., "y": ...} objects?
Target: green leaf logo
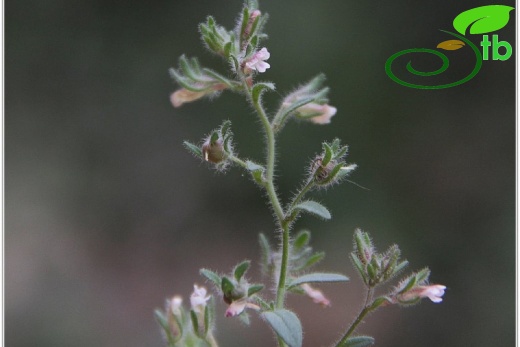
[{"x": 482, "y": 20}]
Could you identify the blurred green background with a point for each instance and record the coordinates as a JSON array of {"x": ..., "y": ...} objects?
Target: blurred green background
[{"x": 106, "y": 214}]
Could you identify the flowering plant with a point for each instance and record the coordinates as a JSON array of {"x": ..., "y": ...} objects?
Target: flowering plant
[{"x": 289, "y": 267}]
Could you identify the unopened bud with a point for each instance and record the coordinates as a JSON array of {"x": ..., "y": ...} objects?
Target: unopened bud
[{"x": 213, "y": 152}]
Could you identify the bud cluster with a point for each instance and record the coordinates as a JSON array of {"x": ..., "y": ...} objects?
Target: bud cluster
[
  {"x": 375, "y": 268},
  {"x": 236, "y": 291},
  {"x": 413, "y": 288},
  {"x": 328, "y": 167},
  {"x": 216, "y": 148},
  {"x": 195, "y": 326}
]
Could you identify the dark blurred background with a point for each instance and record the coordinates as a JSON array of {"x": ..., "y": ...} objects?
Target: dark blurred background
[{"x": 106, "y": 214}]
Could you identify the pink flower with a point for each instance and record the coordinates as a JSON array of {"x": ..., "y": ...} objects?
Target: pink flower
[
  {"x": 433, "y": 292},
  {"x": 182, "y": 96},
  {"x": 237, "y": 307},
  {"x": 198, "y": 299},
  {"x": 256, "y": 62},
  {"x": 316, "y": 113},
  {"x": 316, "y": 295}
]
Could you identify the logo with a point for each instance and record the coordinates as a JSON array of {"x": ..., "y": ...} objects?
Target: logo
[{"x": 479, "y": 20}]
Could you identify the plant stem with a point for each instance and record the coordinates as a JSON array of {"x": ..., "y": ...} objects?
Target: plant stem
[
  {"x": 270, "y": 142},
  {"x": 366, "y": 309},
  {"x": 273, "y": 197},
  {"x": 280, "y": 293}
]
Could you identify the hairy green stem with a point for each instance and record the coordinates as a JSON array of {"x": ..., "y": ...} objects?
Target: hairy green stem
[
  {"x": 366, "y": 309},
  {"x": 273, "y": 197},
  {"x": 280, "y": 293}
]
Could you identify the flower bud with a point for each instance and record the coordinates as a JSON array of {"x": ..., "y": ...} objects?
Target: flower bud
[
  {"x": 316, "y": 113},
  {"x": 213, "y": 152},
  {"x": 174, "y": 316},
  {"x": 322, "y": 172},
  {"x": 433, "y": 292},
  {"x": 183, "y": 95},
  {"x": 316, "y": 295}
]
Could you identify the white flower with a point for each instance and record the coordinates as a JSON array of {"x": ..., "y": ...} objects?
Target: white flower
[
  {"x": 198, "y": 299},
  {"x": 316, "y": 113},
  {"x": 316, "y": 295},
  {"x": 256, "y": 62},
  {"x": 433, "y": 292},
  {"x": 237, "y": 307}
]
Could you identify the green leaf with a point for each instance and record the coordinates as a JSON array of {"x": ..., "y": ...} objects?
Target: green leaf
[
  {"x": 266, "y": 252},
  {"x": 314, "y": 208},
  {"x": 319, "y": 277},
  {"x": 224, "y": 128},
  {"x": 251, "y": 166},
  {"x": 259, "y": 88},
  {"x": 340, "y": 153},
  {"x": 301, "y": 240},
  {"x": 195, "y": 323},
  {"x": 255, "y": 288},
  {"x": 218, "y": 77},
  {"x": 359, "y": 266},
  {"x": 206, "y": 320},
  {"x": 227, "y": 286},
  {"x": 256, "y": 171},
  {"x": 482, "y": 20},
  {"x": 358, "y": 341},
  {"x": 327, "y": 156},
  {"x": 214, "y": 138},
  {"x": 195, "y": 150},
  {"x": 286, "y": 325},
  {"x": 163, "y": 322},
  {"x": 241, "y": 269},
  {"x": 315, "y": 258},
  {"x": 212, "y": 276},
  {"x": 209, "y": 315}
]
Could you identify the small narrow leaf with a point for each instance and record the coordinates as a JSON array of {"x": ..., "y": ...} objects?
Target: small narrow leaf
[
  {"x": 286, "y": 325},
  {"x": 255, "y": 288},
  {"x": 212, "y": 276},
  {"x": 214, "y": 138},
  {"x": 319, "y": 277},
  {"x": 256, "y": 171},
  {"x": 327, "y": 156},
  {"x": 451, "y": 45},
  {"x": 259, "y": 88},
  {"x": 218, "y": 77},
  {"x": 314, "y": 208},
  {"x": 358, "y": 341},
  {"x": 301, "y": 240},
  {"x": 206, "y": 320},
  {"x": 227, "y": 286},
  {"x": 163, "y": 322},
  {"x": 195, "y": 150},
  {"x": 224, "y": 128},
  {"x": 251, "y": 166},
  {"x": 241, "y": 269},
  {"x": 195, "y": 322},
  {"x": 315, "y": 258},
  {"x": 359, "y": 266},
  {"x": 266, "y": 253}
]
